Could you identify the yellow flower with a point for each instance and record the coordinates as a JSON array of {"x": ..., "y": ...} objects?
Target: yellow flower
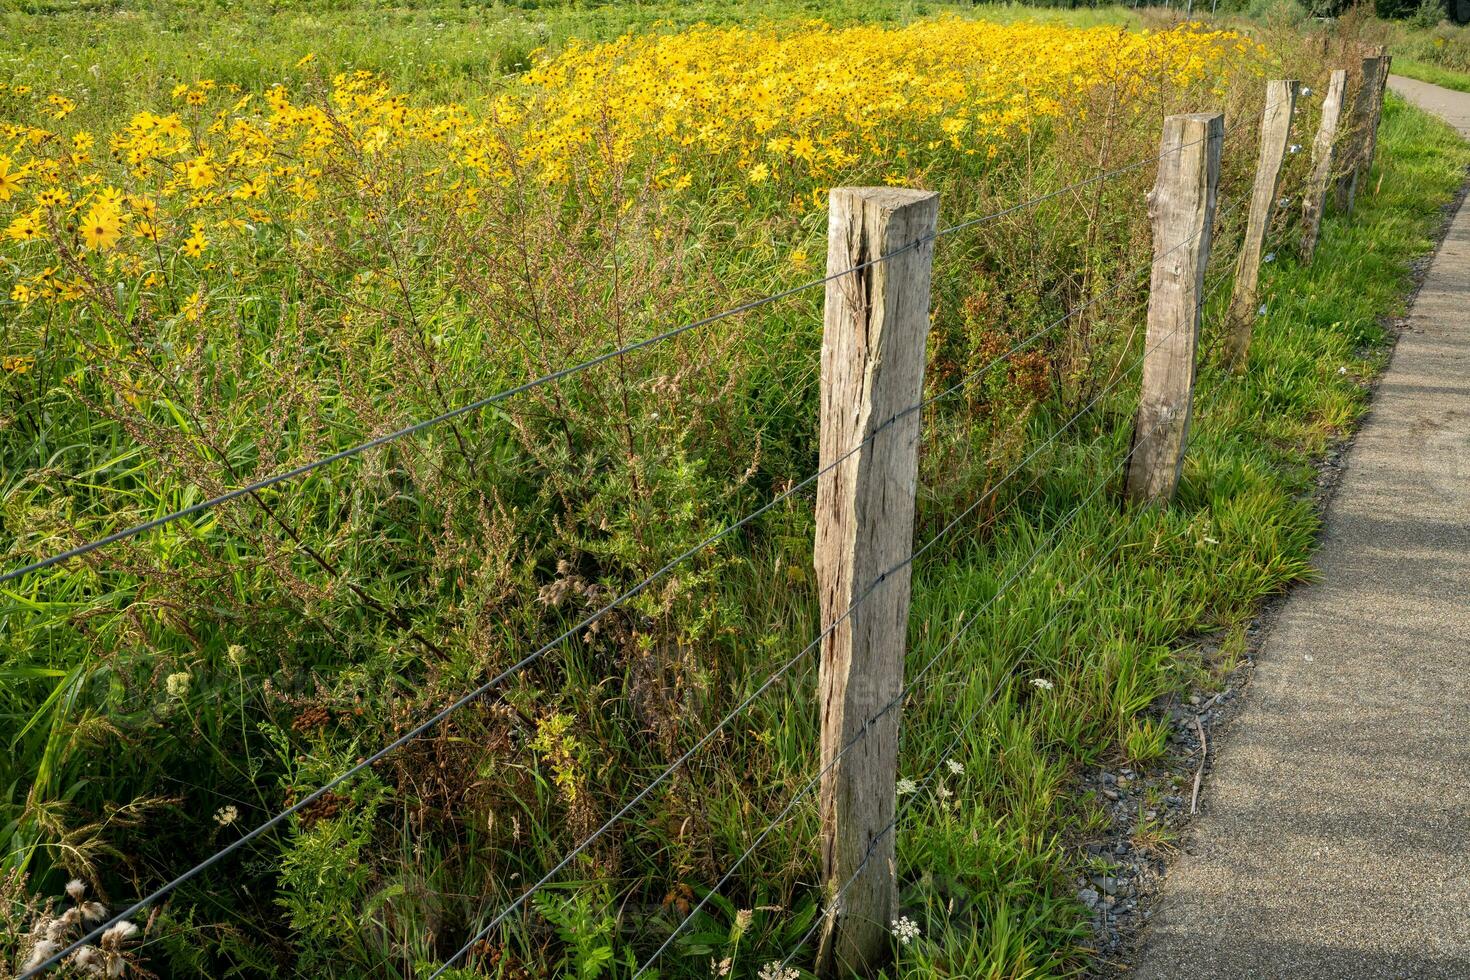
[
  {"x": 25, "y": 227},
  {"x": 194, "y": 245},
  {"x": 306, "y": 59},
  {"x": 52, "y": 197},
  {"x": 18, "y": 365},
  {"x": 758, "y": 174},
  {"x": 101, "y": 228},
  {"x": 10, "y": 180},
  {"x": 61, "y": 106},
  {"x": 200, "y": 172},
  {"x": 21, "y": 293}
]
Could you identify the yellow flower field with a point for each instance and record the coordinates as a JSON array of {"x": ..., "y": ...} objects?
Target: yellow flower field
[
  {"x": 813, "y": 103},
  {"x": 162, "y": 197}
]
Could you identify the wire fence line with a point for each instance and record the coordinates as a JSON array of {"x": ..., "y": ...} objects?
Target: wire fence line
[
  {"x": 912, "y": 685},
  {"x": 690, "y": 552},
  {"x": 934, "y": 539},
  {"x": 585, "y": 622},
  {"x": 835, "y": 904},
  {"x": 581, "y": 625}
]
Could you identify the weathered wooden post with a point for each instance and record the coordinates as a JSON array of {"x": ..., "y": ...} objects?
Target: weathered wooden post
[
  {"x": 1275, "y": 132},
  {"x": 1370, "y": 147},
  {"x": 1353, "y": 163},
  {"x": 1182, "y": 209},
  {"x": 876, "y": 323},
  {"x": 1324, "y": 153}
]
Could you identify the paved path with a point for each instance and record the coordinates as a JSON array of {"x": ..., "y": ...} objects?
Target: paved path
[{"x": 1335, "y": 838}]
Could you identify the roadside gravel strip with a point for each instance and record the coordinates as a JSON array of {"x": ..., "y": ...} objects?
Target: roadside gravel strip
[{"x": 1334, "y": 839}]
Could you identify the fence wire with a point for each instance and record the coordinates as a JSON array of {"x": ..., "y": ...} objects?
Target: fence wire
[
  {"x": 912, "y": 685},
  {"x": 635, "y": 590},
  {"x": 834, "y": 904}
]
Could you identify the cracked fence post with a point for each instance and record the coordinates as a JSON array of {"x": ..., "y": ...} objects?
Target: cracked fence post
[
  {"x": 875, "y": 325},
  {"x": 1324, "y": 150},
  {"x": 1275, "y": 134},
  {"x": 1182, "y": 210},
  {"x": 1375, "y": 110},
  {"x": 1362, "y": 131}
]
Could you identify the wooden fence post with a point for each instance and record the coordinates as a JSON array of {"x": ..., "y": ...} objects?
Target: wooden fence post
[
  {"x": 1182, "y": 209},
  {"x": 1370, "y": 144},
  {"x": 876, "y": 323},
  {"x": 1324, "y": 152},
  {"x": 1275, "y": 133},
  {"x": 1358, "y": 133}
]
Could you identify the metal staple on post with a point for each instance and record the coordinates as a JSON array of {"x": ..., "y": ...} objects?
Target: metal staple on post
[
  {"x": 876, "y": 325},
  {"x": 1182, "y": 209}
]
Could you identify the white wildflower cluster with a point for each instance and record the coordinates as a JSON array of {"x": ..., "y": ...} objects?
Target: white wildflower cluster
[
  {"x": 53, "y": 933},
  {"x": 905, "y": 930},
  {"x": 778, "y": 971},
  {"x": 954, "y": 767},
  {"x": 1042, "y": 684},
  {"x": 226, "y": 815},
  {"x": 907, "y": 786}
]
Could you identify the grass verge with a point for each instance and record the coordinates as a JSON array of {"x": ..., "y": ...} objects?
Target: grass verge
[{"x": 1434, "y": 74}]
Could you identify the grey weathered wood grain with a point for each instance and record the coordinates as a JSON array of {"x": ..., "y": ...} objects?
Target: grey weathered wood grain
[
  {"x": 1371, "y": 143},
  {"x": 876, "y": 323},
  {"x": 1324, "y": 154},
  {"x": 1182, "y": 211},
  {"x": 1275, "y": 136},
  {"x": 1355, "y": 160}
]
